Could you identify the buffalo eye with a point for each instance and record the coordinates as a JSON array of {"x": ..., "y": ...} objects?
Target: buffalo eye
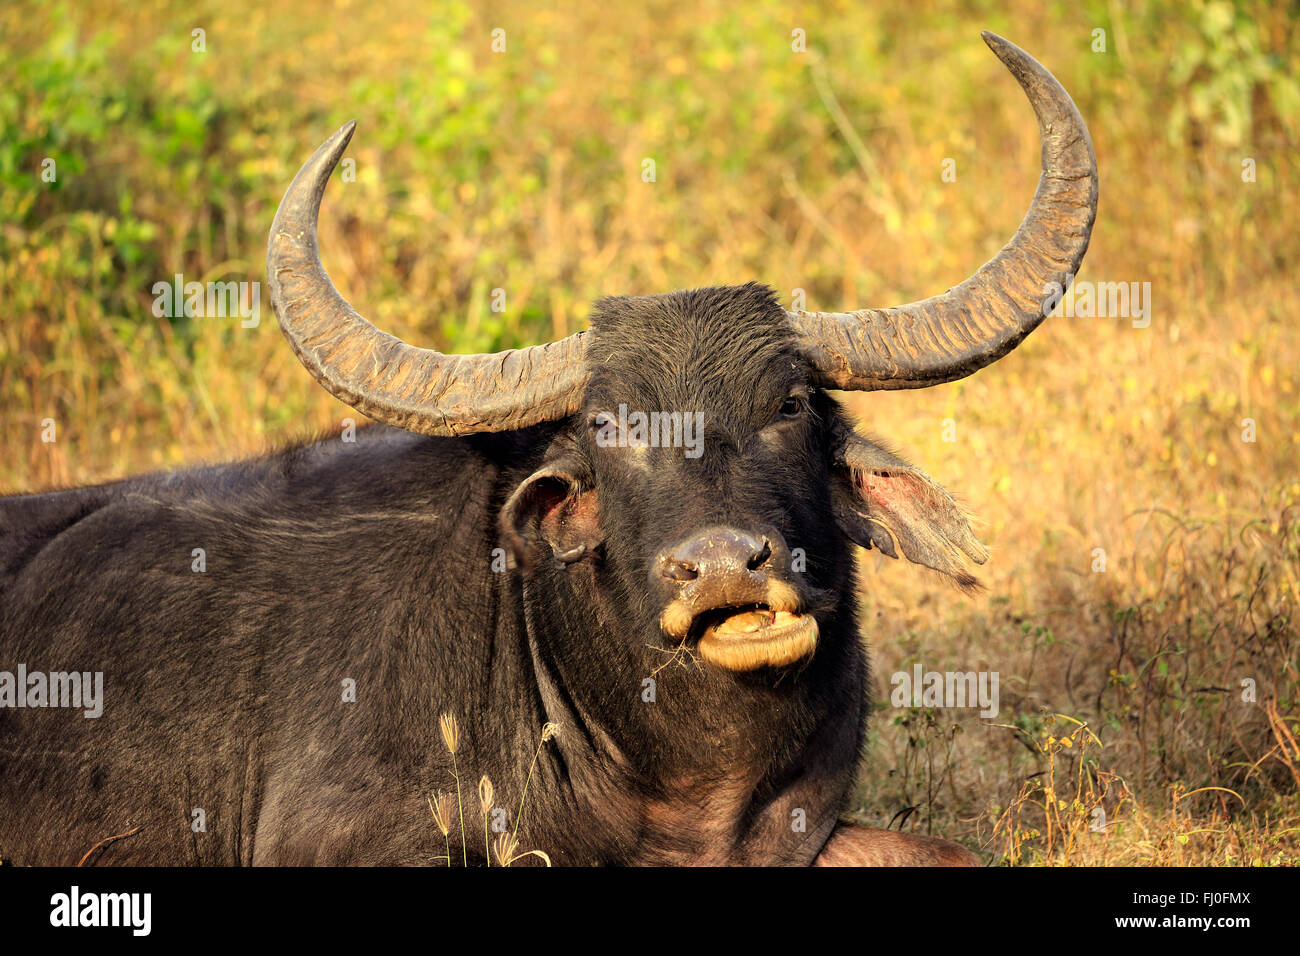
[{"x": 791, "y": 407}]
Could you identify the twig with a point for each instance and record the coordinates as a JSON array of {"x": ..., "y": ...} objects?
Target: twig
[{"x": 106, "y": 841}]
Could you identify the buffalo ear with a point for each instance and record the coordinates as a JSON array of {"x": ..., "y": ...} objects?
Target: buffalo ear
[
  {"x": 554, "y": 510},
  {"x": 883, "y": 501}
]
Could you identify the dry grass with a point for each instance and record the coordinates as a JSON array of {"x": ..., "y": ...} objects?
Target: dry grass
[
  {"x": 521, "y": 171},
  {"x": 505, "y": 845}
]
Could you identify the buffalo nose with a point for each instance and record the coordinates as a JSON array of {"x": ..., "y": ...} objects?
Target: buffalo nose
[{"x": 716, "y": 552}]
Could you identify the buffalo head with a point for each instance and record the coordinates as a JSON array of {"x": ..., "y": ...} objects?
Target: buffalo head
[{"x": 698, "y": 481}]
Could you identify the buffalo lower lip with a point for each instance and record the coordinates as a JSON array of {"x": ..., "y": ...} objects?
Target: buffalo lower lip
[{"x": 751, "y": 639}]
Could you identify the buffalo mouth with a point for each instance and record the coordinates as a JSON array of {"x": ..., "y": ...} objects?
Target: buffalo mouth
[{"x": 752, "y": 636}]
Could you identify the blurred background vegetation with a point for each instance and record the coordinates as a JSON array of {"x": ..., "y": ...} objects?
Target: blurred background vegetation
[{"x": 1121, "y": 689}]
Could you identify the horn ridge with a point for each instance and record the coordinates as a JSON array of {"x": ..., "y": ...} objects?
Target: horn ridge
[
  {"x": 418, "y": 389},
  {"x": 952, "y": 335}
]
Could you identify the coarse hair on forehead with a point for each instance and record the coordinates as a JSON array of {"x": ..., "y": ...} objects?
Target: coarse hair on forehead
[{"x": 689, "y": 344}]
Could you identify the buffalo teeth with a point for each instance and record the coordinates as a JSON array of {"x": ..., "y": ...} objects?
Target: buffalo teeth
[
  {"x": 746, "y": 622},
  {"x": 785, "y": 640}
]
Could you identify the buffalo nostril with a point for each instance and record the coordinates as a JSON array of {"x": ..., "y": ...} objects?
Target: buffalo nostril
[
  {"x": 717, "y": 554},
  {"x": 760, "y": 558},
  {"x": 680, "y": 571}
]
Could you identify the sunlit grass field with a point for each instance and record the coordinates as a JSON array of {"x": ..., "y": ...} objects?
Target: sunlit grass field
[{"x": 1156, "y": 679}]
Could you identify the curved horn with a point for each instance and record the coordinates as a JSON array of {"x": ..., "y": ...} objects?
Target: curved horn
[
  {"x": 952, "y": 335},
  {"x": 381, "y": 376}
]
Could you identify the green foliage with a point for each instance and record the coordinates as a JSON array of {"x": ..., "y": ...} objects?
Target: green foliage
[{"x": 1230, "y": 80}]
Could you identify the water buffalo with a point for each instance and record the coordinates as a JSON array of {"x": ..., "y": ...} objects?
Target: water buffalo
[{"x": 640, "y": 537}]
